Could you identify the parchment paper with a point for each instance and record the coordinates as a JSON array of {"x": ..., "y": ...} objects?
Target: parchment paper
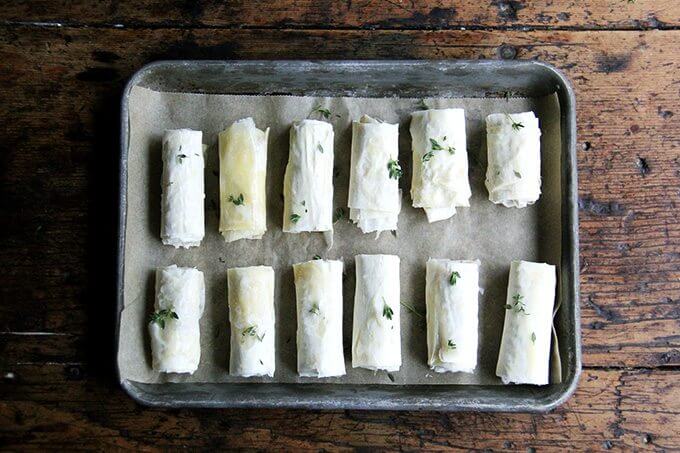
[{"x": 491, "y": 233}]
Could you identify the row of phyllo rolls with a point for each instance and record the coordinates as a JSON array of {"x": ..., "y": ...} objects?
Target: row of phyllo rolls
[
  {"x": 439, "y": 184},
  {"x": 451, "y": 296}
]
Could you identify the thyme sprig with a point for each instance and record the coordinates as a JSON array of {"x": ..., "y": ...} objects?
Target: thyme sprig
[
  {"x": 251, "y": 331},
  {"x": 515, "y": 125},
  {"x": 387, "y": 310},
  {"x": 453, "y": 279},
  {"x": 394, "y": 169},
  {"x": 518, "y": 305},
  {"x": 161, "y": 316},
  {"x": 238, "y": 201}
]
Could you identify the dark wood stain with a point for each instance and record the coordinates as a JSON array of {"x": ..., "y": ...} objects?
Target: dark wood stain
[{"x": 59, "y": 193}]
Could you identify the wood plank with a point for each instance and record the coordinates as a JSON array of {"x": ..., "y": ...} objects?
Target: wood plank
[
  {"x": 59, "y": 113},
  {"x": 385, "y": 14},
  {"x": 46, "y": 406}
]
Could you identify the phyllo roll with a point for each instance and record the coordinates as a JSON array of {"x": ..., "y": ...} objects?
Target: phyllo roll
[
  {"x": 243, "y": 171},
  {"x": 440, "y": 167},
  {"x": 308, "y": 182},
  {"x": 524, "y": 357},
  {"x": 182, "y": 211},
  {"x": 318, "y": 287},
  {"x": 252, "y": 319},
  {"x": 174, "y": 325},
  {"x": 376, "y": 333},
  {"x": 513, "y": 175},
  {"x": 451, "y": 296},
  {"x": 374, "y": 196}
]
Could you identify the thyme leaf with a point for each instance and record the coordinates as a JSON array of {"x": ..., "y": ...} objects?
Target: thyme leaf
[
  {"x": 450, "y": 344},
  {"x": 387, "y": 310},
  {"x": 161, "y": 316},
  {"x": 394, "y": 169},
  {"x": 515, "y": 125},
  {"x": 338, "y": 214},
  {"x": 315, "y": 309},
  {"x": 294, "y": 218},
  {"x": 518, "y": 305},
  {"x": 453, "y": 279},
  {"x": 251, "y": 331},
  {"x": 238, "y": 201}
]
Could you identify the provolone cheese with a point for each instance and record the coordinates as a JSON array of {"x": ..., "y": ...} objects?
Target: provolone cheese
[
  {"x": 376, "y": 333},
  {"x": 524, "y": 357},
  {"x": 318, "y": 287},
  {"x": 513, "y": 175},
  {"x": 243, "y": 171},
  {"x": 440, "y": 166},
  {"x": 174, "y": 326},
  {"x": 374, "y": 195},
  {"x": 308, "y": 182},
  {"x": 451, "y": 295},
  {"x": 182, "y": 211},
  {"x": 252, "y": 318}
]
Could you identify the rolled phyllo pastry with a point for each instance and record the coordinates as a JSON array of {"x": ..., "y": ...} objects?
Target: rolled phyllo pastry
[
  {"x": 374, "y": 196},
  {"x": 243, "y": 171},
  {"x": 252, "y": 319},
  {"x": 451, "y": 295},
  {"x": 308, "y": 182},
  {"x": 318, "y": 287},
  {"x": 376, "y": 334},
  {"x": 524, "y": 357},
  {"x": 182, "y": 211},
  {"x": 440, "y": 167},
  {"x": 513, "y": 175},
  {"x": 174, "y": 325}
]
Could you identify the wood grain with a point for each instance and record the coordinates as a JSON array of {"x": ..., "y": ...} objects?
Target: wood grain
[
  {"x": 53, "y": 406},
  {"x": 59, "y": 112},
  {"x": 362, "y": 14},
  {"x": 629, "y": 217}
]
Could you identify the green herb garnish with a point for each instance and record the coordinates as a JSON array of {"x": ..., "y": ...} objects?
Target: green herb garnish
[
  {"x": 237, "y": 201},
  {"x": 453, "y": 279},
  {"x": 436, "y": 146},
  {"x": 338, "y": 214},
  {"x": 451, "y": 344},
  {"x": 387, "y": 310},
  {"x": 428, "y": 155},
  {"x": 325, "y": 113},
  {"x": 315, "y": 309},
  {"x": 294, "y": 218},
  {"x": 533, "y": 337},
  {"x": 319, "y": 147},
  {"x": 316, "y": 257},
  {"x": 181, "y": 157},
  {"x": 515, "y": 125},
  {"x": 394, "y": 169},
  {"x": 252, "y": 332},
  {"x": 161, "y": 316},
  {"x": 518, "y": 306},
  {"x": 518, "y": 174}
]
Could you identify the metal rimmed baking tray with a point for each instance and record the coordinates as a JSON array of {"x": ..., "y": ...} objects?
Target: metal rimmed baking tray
[{"x": 373, "y": 79}]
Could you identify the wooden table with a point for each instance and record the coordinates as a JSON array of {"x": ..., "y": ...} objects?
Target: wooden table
[{"x": 62, "y": 68}]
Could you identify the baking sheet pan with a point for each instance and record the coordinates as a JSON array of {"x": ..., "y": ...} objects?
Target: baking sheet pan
[{"x": 190, "y": 94}]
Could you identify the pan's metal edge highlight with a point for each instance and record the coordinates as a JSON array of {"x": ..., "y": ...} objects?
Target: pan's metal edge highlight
[{"x": 380, "y": 398}]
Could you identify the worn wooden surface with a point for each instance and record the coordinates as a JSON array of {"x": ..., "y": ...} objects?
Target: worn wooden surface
[{"x": 62, "y": 71}]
